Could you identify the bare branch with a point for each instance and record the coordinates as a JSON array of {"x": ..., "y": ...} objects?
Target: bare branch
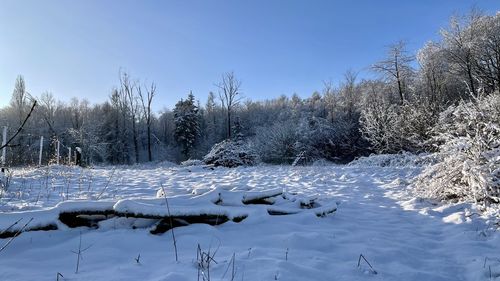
[{"x": 20, "y": 127}]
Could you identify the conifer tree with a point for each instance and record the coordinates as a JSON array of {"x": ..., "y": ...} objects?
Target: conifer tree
[{"x": 187, "y": 124}]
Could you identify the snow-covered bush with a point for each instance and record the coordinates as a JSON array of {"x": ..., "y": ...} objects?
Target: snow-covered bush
[
  {"x": 468, "y": 136},
  {"x": 231, "y": 153},
  {"x": 392, "y": 128}
]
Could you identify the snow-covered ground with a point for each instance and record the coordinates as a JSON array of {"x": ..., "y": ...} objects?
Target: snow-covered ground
[{"x": 403, "y": 238}]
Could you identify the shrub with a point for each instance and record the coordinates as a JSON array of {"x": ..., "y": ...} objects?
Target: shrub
[
  {"x": 231, "y": 153},
  {"x": 394, "y": 128},
  {"x": 468, "y": 136}
]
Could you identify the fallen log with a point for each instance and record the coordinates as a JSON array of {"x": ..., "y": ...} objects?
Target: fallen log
[{"x": 212, "y": 208}]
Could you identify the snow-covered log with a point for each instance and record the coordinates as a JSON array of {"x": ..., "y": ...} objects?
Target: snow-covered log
[{"x": 213, "y": 208}]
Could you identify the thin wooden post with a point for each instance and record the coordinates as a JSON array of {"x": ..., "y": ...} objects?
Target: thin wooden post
[
  {"x": 40, "y": 154},
  {"x": 69, "y": 155},
  {"x": 4, "y": 141}
]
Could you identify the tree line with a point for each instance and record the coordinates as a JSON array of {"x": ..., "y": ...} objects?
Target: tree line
[{"x": 394, "y": 112}]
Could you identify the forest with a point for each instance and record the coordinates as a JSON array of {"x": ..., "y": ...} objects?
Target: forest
[{"x": 415, "y": 103}]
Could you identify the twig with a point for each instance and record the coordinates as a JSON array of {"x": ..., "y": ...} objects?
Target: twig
[
  {"x": 12, "y": 225},
  {"x": 15, "y": 235},
  {"x": 20, "y": 127},
  {"x": 371, "y": 267},
  {"x": 234, "y": 272},
  {"x": 203, "y": 260},
  {"x": 79, "y": 253},
  {"x": 243, "y": 273},
  {"x": 198, "y": 258},
  {"x": 107, "y": 184},
  {"x": 208, "y": 264},
  {"x": 59, "y": 275},
  {"x": 138, "y": 259},
  {"x": 171, "y": 222},
  {"x": 231, "y": 262}
]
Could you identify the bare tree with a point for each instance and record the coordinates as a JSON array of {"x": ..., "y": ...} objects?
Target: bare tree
[
  {"x": 48, "y": 104},
  {"x": 330, "y": 98},
  {"x": 229, "y": 94},
  {"x": 459, "y": 40},
  {"x": 396, "y": 67},
  {"x": 488, "y": 49},
  {"x": 349, "y": 93},
  {"x": 435, "y": 76},
  {"x": 146, "y": 107},
  {"x": 129, "y": 89},
  {"x": 48, "y": 111}
]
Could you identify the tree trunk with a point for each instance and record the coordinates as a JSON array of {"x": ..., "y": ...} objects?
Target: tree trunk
[
  {"x": 150, "y": 158},
  {"x": 398, "y": 78},
  {"x": 471, "y": 81},
  {"x": 136, "y": 144},
  {"x": 229, "y": 124}
]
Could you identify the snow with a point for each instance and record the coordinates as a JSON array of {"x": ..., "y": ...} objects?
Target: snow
[{"x": 402, "y": 237}]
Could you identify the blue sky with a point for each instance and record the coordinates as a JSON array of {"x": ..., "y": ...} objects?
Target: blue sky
[{"x": 76, "y": 48}]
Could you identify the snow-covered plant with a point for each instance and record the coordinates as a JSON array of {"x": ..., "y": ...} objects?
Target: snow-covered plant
[
  {"x": 231, "y": 153},
  {"x": 392, "y": 128},
  {"x": 468, "y": 136},
  {"x": 377, "y": 120}
]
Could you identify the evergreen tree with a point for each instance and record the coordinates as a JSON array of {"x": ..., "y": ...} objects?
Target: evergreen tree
[{"x": 187, "y": 124}]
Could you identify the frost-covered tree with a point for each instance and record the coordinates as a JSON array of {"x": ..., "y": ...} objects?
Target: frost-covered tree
[
  {"x": 488, "y": 50},
  {"x": 397, "y": 67},
  {"x": 459, "y": 40},
  {"x": 436, "y": 85}
]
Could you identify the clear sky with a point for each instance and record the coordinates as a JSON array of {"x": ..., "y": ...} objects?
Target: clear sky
[{"x": 76, "y": 48}]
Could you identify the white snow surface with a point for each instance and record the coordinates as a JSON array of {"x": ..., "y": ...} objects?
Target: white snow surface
[{"x": 402, "y": 237}]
